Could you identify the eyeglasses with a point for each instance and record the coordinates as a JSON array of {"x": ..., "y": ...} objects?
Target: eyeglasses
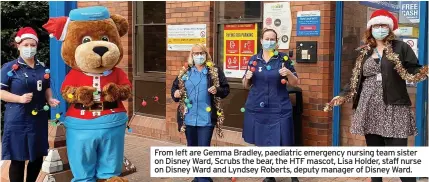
[
  {"x": 380, "y": 26},
  {"x": 198, "y": 53}
]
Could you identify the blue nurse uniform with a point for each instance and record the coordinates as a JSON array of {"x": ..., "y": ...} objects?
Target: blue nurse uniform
[
  {"x": 25, "y": 135},
  {"x": 268, "y": 110}
]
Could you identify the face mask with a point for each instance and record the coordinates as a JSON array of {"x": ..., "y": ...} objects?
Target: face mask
[
  {"x": 380, "y": 33},
  {"x": 199, "y": 59},
  {"x": 268, "y": 44},
  {"x": 28, "y": 52}
]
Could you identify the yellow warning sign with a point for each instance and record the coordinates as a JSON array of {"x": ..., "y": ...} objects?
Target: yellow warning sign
[{"x": 186, "y": 40}]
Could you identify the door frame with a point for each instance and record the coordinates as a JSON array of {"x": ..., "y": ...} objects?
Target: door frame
[
  {"x": 422, "y": 88},
  {"x": 58, "y": 68}
]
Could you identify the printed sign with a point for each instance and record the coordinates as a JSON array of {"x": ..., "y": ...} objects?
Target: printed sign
[
  {"x": 413, "y": 45},
  {"x": 406, "y": 31},
  {"x": 308, "y": 23},
  {"x": 278, "y": 16},
  {"x": 182, "y": 37},
  {"x": 240, "y": 42},
  {"x": 410, "y": 12},
  {"x": 392, "y": 6}
]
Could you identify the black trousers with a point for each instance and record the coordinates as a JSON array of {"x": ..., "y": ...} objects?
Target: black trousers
[
  {"x": 16, "y": 170},
  {"x": 377, "y": 140}
]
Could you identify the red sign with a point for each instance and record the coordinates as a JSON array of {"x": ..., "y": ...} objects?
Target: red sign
[
  {"x": 232, "y": 62},
  {"x": 232, "y": 46},
  {"x": 307, "y": 27},
  {"x": 247, "y": 46},
  {"x": 244, "y": 62},
  {"x": 411, "y": 43}
]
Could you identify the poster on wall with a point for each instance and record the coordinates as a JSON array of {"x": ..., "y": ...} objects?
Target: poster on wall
[
  {"x": 240, "y": 43},
  {"x": 278, "y": 16},
  {"x": 308, "y": 23},
  {"x": 413, "y": 45},
  {"x": 410, "y": 12},
  {"x": 182, "y": 37}
]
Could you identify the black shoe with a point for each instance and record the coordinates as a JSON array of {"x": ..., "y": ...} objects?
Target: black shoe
[
  {"x": 269, "y": 179},
  {"x": 294, "y": 179}
]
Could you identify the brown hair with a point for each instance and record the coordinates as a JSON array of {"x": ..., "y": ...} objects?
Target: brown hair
[
  {"x": 370, "y": 40},
  {"x": 268, "y": 30},
  {"x": 12, "y": 41}
]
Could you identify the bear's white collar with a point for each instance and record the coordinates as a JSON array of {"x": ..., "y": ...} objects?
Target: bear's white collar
[{"x": 105, "y": 73}]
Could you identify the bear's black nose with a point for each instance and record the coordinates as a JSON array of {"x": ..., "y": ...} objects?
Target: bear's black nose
[{"x": 100, "y": 50}]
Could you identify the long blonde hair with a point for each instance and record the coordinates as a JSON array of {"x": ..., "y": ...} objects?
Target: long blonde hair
[{"x": 205, "y": 50}]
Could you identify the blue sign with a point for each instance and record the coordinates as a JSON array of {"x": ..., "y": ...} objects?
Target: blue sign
[
  {"x": 410, "y": 12},
  {"x": 392, "y": 6},
  {"x": 308, "y": 23}
]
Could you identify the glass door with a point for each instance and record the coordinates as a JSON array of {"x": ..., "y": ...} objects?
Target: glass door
[{"x": 355, "y": 15}]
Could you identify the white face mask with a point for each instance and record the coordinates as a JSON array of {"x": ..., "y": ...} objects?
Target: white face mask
[
  {"x": 199, "y": 59},
  {"x": 28, "y": 52}
]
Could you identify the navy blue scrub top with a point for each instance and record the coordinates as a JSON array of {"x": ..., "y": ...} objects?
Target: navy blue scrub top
[
  {"x": 267, "y": 94},
  {"x": 24, "y": 80}
]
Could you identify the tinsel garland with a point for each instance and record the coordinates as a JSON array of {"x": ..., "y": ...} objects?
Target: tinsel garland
[
  {"x": 391, "y": 56},
  {"x": 218, "y": 104}
]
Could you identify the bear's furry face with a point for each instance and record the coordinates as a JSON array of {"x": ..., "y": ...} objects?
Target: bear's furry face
[{"x": 94, "y": 46}]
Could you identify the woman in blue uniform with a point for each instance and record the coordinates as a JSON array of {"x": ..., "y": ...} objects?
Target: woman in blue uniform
[
  {"x": 268, "y": 109},
  {"x": 198, "y": 88},
  {"x": 26, "y": 91}
]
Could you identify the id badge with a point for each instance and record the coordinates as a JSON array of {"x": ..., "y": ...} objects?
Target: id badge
[
  {"x": 39, "y": 85},
  {"x": 379, "y": 78}
]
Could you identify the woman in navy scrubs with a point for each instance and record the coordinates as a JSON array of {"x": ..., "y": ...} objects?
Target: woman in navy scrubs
[
  {"x": 26, "y": 91},
  {"x": 268, "y": 111}
]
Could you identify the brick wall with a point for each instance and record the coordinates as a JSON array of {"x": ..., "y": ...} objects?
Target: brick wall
[
  {"x": 124, "y": 9},
  {"x": 316, "y": 78},
  {"x": 180, "y": 12}
]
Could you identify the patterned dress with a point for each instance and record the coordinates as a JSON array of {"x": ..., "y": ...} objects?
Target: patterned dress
[{"x": 373, "y": 116}]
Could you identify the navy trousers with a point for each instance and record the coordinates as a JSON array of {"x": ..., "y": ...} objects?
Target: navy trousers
[{"x": 199, "y": 136}]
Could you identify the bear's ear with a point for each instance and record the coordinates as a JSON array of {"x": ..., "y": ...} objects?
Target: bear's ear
[{"x": 121, "y": 24}]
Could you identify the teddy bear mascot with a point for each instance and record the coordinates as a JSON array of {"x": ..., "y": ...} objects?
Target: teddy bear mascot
[{"x": 96, "y": 119}]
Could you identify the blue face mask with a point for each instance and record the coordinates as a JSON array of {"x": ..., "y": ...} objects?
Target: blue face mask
[
  {"x": 199, "y": 59},
  {"x": 380, "y": 33},
  {"x": 268, "y": 44}
]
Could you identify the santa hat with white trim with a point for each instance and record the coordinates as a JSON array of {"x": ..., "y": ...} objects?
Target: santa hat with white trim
[
  {"x": 382, "y": 16},
  {"x": 57, "y": 27},
  {"x": 25, "y": 33}
]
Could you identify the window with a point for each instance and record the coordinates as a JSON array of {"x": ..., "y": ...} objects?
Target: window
[
  {"x": 234, "y": 12},
  {"x": 239, "y": 10},
  {"x": 150, "y": 38},
  {"x": 149, "y": 50}
]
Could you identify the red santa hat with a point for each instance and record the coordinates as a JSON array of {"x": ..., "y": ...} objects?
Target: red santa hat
[
  {"x": 382, "y": 16},
  {"x": 25, "y": 33},
  {"x": 57, "y": 27}
]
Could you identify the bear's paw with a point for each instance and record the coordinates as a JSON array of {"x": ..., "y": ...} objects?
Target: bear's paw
[{"x": 85, "y": 95}]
